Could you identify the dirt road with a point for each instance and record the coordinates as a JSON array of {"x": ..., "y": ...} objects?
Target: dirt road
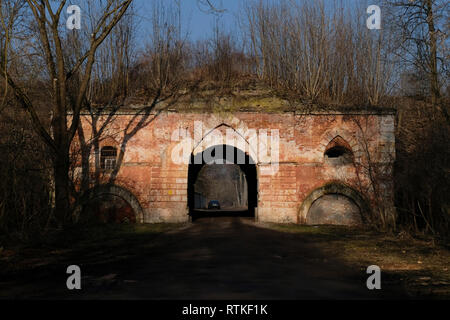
[{"x": 212, "y": 258}]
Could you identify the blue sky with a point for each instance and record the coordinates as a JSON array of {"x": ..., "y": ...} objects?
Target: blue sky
[
  {"x": 200, "y": 23},
  {"x": 195, "y": 19}
]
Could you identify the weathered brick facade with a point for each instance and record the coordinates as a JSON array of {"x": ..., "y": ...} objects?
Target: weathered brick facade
[{"x": 160, "y": 186}]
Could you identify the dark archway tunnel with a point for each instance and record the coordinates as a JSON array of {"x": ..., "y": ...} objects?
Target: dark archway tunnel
[{"x": 222, "y": 174}]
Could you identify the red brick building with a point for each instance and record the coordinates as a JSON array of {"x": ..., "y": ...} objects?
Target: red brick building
[{"x": 332, "y": 166}]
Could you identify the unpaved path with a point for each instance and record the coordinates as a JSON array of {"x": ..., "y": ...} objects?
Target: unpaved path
[{"x": 212, "y": 258}]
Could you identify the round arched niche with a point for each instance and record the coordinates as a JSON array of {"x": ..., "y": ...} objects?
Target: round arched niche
[
  {"x": 335, "y": 204},
  {"x": 108, "y": 193},
  {"x": 334, "y": 209}
]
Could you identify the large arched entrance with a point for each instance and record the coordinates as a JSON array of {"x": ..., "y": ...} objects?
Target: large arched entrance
[{"x": 222, "y": 181}]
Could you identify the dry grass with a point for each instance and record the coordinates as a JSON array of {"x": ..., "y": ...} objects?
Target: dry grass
[{"x": 419, "y": 265}]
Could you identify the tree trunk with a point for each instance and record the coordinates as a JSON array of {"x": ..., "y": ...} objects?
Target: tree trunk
[
  {"x": 85, "y": 149},
  {"x": 434, "y": 81},
  {"x": 61, "y": 166},
  {"x": 62, "y": 190}
]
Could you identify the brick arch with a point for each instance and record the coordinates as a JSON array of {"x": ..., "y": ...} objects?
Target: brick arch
[
  {"x": 333, "y": 188},
  {"x": 115, "y": 190},
  {"x": 215, "y": 121},
  {"x": 334, "y": 133},
  {"x": 338, "y": 141},
  {"x": 250, "y": 147},
  {"x": 109, "y": 141}
]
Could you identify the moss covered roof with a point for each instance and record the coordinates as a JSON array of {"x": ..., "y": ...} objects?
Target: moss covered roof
[{"x": 254, "y": 99}]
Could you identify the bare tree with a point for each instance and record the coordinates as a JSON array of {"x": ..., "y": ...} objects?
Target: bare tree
[
  {"x": 320, "y": 54},
  {"x": 10, "y": 16},
  {"x": 421, "y": 25},
  {"x": 375, "y": 177},
  {"x": 154, "y": 78},
  {"x": 210, "y": 6},
  {"x": 50, "y": 36}
]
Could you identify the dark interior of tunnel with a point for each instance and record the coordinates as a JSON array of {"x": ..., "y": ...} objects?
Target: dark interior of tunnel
[{"x": 229, "y": 160}]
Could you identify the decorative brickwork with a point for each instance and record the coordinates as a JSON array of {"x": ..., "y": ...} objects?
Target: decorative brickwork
[{"x": 160, "y": 186}]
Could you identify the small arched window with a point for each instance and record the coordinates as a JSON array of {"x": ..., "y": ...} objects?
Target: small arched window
[
  {"x": 108, "y": 158},
  {"x": 338, "y": 152}
]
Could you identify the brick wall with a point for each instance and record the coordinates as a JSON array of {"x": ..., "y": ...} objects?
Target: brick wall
[{"x": 161, "y": 185}]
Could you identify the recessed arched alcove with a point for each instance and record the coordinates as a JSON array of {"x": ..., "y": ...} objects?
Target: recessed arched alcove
[
  {"x": 338, "y": 152},
  {"x": 334, "y": 209},
  {"x": 109, "y": 203},
  {"x": 334, "y": 203}
]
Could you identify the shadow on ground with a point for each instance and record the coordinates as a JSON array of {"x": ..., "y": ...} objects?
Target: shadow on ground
[{"x": 212, "y": 258}]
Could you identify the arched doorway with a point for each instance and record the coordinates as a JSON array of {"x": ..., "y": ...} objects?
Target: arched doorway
[{"x": 222, "y": 181}]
